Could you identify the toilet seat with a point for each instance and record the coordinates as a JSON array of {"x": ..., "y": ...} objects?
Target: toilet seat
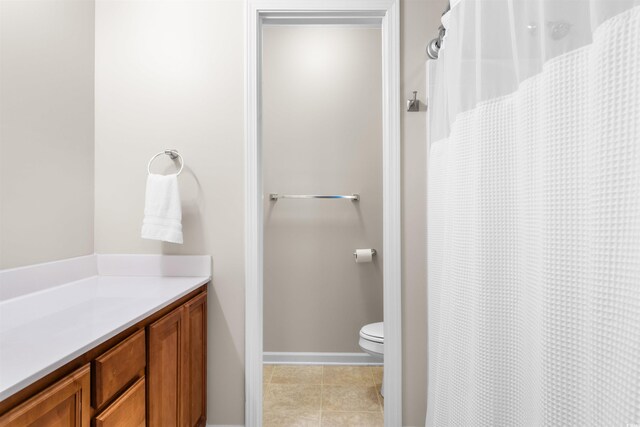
[
  {"x": 372, "y": 339},
  {"x": 373, "y": 332}
]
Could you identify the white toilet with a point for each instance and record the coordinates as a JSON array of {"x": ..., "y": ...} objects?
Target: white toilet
[{"x": 372, "y": 341}]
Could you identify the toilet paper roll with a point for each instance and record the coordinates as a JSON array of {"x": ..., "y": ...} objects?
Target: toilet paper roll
[{"x": 364, "y": 255}]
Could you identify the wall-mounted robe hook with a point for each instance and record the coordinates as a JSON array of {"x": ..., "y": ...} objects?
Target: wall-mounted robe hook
[{"x": 413, "y": 104}]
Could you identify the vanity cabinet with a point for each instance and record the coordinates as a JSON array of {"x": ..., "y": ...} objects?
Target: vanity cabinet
[
  {"x": 118, "y": 367},
  {"x": 177, "y": 366},
  {"x": 153, "y": 374},
  {"x": 128, "y": 410},
  {"x": 196, "y": 398},
  {"x": 63, "y": 404},
  {"x": 167, "y": 379}
]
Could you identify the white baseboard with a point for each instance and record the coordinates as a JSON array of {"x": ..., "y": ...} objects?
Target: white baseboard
[{"x": 299, "y": 358}]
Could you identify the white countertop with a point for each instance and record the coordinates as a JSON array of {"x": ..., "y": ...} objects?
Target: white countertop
[{"x": 43, "y": 330}]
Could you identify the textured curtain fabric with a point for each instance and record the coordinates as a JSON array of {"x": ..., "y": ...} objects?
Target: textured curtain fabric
[{"x": 534, "y": 215}]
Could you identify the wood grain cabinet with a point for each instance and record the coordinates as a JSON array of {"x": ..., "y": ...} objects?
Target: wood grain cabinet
[
  {"x": 196, "y": 399},
  {"x": 128, "y": 410},
  {"x": 167, "y": 380},
  {"x": 177, "y": 367},
  {"x": 118, "y": 367},
  {"x": 63, "y": 404},
  {"x": 153, "y": 374}
]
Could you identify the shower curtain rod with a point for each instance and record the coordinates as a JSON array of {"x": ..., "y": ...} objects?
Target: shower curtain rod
[{"x": 433, "y": 47}]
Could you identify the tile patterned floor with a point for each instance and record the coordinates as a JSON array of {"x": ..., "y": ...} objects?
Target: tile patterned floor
[{"x": 322, "y": 396}]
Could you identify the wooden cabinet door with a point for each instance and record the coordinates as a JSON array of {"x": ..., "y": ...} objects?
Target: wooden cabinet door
[
  {"x": 196, "y": 322},
  {"x": 64, "y": 404},
  {"x": 166, "y": 371}
]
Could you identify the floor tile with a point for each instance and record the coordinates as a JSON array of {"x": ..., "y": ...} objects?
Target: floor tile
[
  {"x": 314, "y": 396},
  {"x": 377, "y": 373},
  {"x": 352, "y": 419},
  {"x": 291, "y": 418},
  {"x": 350, "y": 398},
  {"x": 296, "y": 374},
  {"x": 347, "y": 375},
  {"x": 267, "y": 370},
  {"x": 286, "y": 397}
]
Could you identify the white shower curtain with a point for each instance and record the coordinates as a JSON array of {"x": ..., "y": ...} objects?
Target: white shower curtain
[{"x": 534, "y": 215}]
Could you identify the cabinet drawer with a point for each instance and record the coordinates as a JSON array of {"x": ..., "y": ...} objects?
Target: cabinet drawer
[
  {"x": 127, "y": 411},
  {"x": 118, "y": 367}
]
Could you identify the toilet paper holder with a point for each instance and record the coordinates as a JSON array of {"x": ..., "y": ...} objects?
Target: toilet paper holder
[{"x": 373, "y": 252}]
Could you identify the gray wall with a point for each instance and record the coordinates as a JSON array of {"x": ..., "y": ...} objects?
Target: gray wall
[
  {"x": 322, "y": 134},
  {"x": 46, "y": 130},
  {"x": 171, "y": 74}
]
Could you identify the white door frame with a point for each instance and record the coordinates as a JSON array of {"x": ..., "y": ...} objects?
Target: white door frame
[{"x": 386, "y": 13}]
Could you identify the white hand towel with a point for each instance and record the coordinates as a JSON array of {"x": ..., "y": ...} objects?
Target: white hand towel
[{"x": 162, "y": 209}]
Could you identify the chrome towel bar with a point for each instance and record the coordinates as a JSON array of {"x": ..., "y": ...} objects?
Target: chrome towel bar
[{"x": 274, "y": 196}]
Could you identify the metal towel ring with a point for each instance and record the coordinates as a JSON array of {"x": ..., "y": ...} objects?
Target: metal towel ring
[{"x": 171, "y": 153}]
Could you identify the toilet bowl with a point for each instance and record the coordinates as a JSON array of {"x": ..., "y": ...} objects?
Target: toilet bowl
[
  {"x": 372, "y": 339},
  {"x": 372, "y": 342}
]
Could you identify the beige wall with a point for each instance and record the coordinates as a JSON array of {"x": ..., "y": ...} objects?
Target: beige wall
[
  {"x": 322, "y": 134},
  {"x": 419, "y": 22},
  {"x": 170, "y": 74},
  {"x": 46, "y": 130}
]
